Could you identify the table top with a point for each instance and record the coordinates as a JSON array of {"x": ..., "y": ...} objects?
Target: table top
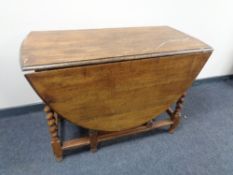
[{"x": 42, "y": 50}]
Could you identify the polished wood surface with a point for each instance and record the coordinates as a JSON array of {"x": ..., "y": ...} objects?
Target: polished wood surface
[
  {"x": 56, "y": 49},
  {"x": 113, "y": 82},
  {"x": 117, "y": 96}
]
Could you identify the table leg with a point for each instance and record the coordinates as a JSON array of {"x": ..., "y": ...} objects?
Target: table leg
[
  {"x": 175, "y": 115},
  {"x": 53, "y": 129},
  {"x": 93, "y": 135}
]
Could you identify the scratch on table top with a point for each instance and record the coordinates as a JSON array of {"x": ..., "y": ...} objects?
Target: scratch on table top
[
  {"x": 25, "y": 60},
  {"x": 172, "y": 40}
]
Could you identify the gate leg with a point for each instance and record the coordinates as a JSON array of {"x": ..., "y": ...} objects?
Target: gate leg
[{"x": 93, "y": 140}]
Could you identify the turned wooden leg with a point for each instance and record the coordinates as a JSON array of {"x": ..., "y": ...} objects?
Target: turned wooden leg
[
  {"x": 93, "y": 140},
  {"x": 53, "y": 129},
  {"x": 175, "y": 115}
]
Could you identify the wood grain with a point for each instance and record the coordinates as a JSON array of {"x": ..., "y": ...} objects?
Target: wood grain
[
  {"x": 117, "y": 96},
  {"x": 59, "y": 49}
]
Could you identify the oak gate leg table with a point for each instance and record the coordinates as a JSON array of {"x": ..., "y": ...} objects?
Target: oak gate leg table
[{"x": 112, "y": 82}]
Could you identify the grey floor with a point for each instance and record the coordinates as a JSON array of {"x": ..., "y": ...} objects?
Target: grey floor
[{"x": 202, "y": 145}]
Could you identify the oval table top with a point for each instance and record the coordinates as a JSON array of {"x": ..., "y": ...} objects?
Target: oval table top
[{"x": 112, "y": 79}]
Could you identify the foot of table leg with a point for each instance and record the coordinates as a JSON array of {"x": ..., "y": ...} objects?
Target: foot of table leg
[
  {"x": 93, "y": 140},
  {"x": 53, "y": 129},
  {"x": 175, "y": 116}
]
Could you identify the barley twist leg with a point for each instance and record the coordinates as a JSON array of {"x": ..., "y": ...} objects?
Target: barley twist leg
[
  {"x": 53, "y": 129},
  {"x": 175, "y": 115}
]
